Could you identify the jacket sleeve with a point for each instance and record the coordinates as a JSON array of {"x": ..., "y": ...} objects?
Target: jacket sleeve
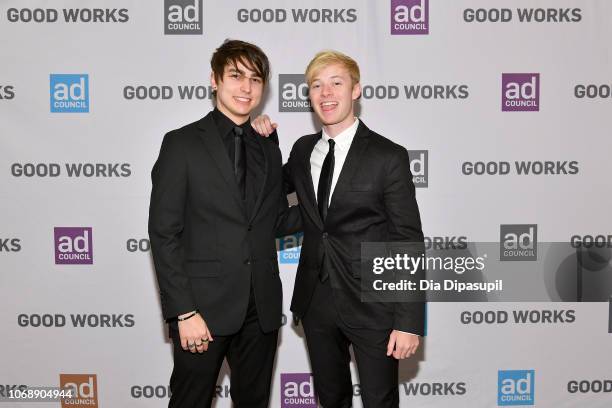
[
  {"x": 290, "y": 218},
  {"x": 404, "y": 223},
  {"x": 166, "y": 222}
]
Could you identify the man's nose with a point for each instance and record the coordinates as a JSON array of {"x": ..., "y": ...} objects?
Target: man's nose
[{"x": 245, "y": 86}]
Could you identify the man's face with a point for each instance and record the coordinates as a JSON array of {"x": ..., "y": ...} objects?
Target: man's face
[
  {"x": 239, "y": 92},
  {"x": 332, "y": 94}
]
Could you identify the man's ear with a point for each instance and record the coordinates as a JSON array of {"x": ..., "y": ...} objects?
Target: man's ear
[
  {"x": 213, "y": 81},
  {"x": 356, "y": 91}
]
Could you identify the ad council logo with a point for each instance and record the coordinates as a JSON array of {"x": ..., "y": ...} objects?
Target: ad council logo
[
  {"x": 297, "y": 391},
  {"x": 289, "y": 248},
  {"x": 409, "y": 17},
  {"x": 293, "y": 93},
  {"x": 69, "y": 93},
  {"x": 73, "y": 245},
  {"x": 520, "y": 92},
  {"x": 84, "y": 389},
  {"x": 515, "y": 387},
  {"x": 182, "y": 17},
  {"x": 419, "y": 166},
  {"x": 518, "y": 242}
]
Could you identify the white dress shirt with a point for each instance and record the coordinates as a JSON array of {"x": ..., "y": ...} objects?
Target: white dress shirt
[{"x": 343, "y": 143}]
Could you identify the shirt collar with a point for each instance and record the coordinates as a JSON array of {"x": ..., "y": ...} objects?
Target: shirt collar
[
  {"x": 345, "y": 138},
  {"x": 225, "y": 125}
]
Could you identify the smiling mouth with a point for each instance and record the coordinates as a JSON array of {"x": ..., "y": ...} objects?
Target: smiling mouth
[
  {"x": 328, "y": 106},
  {"x": 242, "y": 99}
]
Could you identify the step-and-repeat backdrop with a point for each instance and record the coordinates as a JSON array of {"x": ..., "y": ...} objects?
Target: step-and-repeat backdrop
[{"x": 504, "y": 106}]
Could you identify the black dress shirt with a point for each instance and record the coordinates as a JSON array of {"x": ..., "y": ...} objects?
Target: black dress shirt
[{"x": 255, "y": 159}]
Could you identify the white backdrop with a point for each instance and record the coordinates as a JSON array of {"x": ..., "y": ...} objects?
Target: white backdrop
[{"x": 122, "y": 344}]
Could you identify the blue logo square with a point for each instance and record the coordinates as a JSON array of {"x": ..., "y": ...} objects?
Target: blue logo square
[
  {"x": 515, "y": 387},
  {"x": 69, "y": 93},
  {"x": 289, "y": 248}
]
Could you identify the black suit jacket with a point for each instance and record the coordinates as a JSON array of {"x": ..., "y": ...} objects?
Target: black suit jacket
[
  {"x": 373, "y": 201},
  {"x": 206, "y": 249}
]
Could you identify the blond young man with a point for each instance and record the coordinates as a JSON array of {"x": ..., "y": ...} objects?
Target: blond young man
[{"x": 353, "y": 186}]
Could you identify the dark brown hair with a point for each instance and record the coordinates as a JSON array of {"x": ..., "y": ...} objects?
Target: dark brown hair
[{"x": 233, "y": 51}]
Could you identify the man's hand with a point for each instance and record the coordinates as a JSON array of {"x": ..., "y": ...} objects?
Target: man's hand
[
  {"x": 194, "y": 333},
  {"x": 402, "y": 345},
  {"x": 263, "y": 125}
]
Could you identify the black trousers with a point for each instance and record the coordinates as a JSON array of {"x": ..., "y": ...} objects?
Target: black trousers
[
  {"x": 328, "y": 340},
  {"x": 250, "y": 356}
]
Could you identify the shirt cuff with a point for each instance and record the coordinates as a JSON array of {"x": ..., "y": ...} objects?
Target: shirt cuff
[{"x": 408, "y": 333}]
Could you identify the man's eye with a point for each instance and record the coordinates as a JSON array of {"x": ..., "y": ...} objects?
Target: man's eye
[
  {"x": 235, "y": 75},
  {"x": 256, "y": 80},
  {"x": 316, "y": 86}
]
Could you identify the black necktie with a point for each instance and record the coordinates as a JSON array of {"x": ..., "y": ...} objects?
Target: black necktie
[
  {"x": 323, "y": 191},
  {"x": 240, "y": 160},
  {"x": 325, "y": 181}
]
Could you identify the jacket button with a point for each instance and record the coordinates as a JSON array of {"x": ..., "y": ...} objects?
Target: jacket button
[
  {"x": 250, "y": 228},
  {"x": 325, "y": 235},
  {"x": 247, "y": 261}
]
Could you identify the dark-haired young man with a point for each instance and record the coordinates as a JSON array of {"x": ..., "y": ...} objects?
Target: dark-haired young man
[{"x": 216, "y": 201}]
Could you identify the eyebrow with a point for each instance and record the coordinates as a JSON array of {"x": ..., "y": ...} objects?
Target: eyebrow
[
  {"x": 241, "y": 72},
  {"x": 332, "y": 77}
]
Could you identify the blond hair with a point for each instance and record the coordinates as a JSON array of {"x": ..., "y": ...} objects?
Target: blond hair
[{"x": 330, "y": 57}]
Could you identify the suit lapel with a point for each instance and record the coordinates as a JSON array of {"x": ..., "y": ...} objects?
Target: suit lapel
[
  {"x": 306, "y": 178},
  {"x": 212, "y": 140},
  {"x": 352, "y": 161}
]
